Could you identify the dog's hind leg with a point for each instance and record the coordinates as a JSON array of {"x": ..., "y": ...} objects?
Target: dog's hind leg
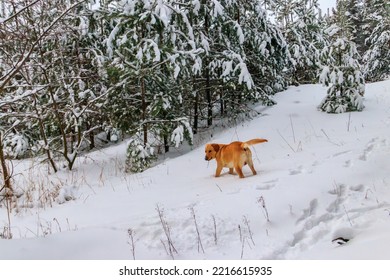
[
  {"x": 231, "y": 171},
  {"x": 250, "y": 163},
  {"x": 239, "y": 171}
]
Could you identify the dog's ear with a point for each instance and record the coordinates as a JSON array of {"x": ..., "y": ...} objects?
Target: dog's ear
[{"x": 215, "y": 147}]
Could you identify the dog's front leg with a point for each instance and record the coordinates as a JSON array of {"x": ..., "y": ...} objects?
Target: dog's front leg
[{"x": 218, "y": 171}]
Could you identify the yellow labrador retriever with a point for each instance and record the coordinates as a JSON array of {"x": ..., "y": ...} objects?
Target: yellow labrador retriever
[{"x": 234, "y": 155}]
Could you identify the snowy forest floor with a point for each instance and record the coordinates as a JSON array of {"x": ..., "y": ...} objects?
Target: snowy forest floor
[{"x": 320, "y": 177}]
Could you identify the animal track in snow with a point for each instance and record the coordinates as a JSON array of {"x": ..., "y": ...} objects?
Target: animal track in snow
[
  {"x": 370, "y": 147},
  {"x": 367, "y": 151},
  {"x": 268, "y": 185},
  {"x": 358, "y": 188},
  {"x": 309, "y": 211},
  {"x": 332, "y": 221},
  {"x": 299, "y": 170},
  {"x": 348, "y": 163}
]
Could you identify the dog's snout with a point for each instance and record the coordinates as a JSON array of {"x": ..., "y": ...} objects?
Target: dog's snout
[{"x": 205, "y": 158}]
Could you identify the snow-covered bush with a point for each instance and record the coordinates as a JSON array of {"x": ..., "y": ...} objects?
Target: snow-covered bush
[
  {"x": 16, "y": 145},
  {"x": 181, "y": 132},
  {"x": 113, "y": 134},
  {"x": 139, "y": 156}
]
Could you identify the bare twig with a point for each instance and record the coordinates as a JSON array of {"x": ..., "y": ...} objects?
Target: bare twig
[
  {"x": 19, "y": 12},
  {"x": 246, "y": 222},
  {"x": 349, "y": 121},
  {"x": 199, "y": 239},
  {"x": 286, "y": 141},
  {"x": 292, "y": 128},
  {"x": 215, "y": 230},
  {"x": 349, "y": 219},
  {"x": 261, "y": 201},
  {"x": 131, "y": 242},
  {"x": 167, "y": 231},
  {"x": 58, "y": 224},
  {"x": 165, "y": 247},
  {"x": 23, "y": 59},
  {"x": 242, "y": 247},
  {"x": 323, "y": 131},
  {"x": 240, "y": 231}
]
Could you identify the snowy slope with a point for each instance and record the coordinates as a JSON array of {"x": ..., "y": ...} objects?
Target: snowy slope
[{"x": 320, "y": 177}]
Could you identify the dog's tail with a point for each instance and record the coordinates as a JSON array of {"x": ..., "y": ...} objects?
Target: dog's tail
[
  {"x": 255, "y": 141},
  {"x": 245, "y": 145}
]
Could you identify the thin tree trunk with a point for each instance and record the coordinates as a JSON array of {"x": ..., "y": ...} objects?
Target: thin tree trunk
[
  {"x": 4, "y": 170},
  {"x": 207, "y": 76},
  {"x": 60, "y": 121},
  {"x": 144, "y": 107},
  {"x": 196, "y": 113},
  {"x": 222, "y": 104},
  {"x": 166, "y": 143},
  {"x": 209, "y": 100},
  {"x": 91, "y": 140},
  {"x": 44, "y": 138}
]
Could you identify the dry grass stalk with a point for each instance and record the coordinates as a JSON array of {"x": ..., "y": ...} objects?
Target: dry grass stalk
[
  {"x": 167, "y": 230},
  {"x": 199, "y": 239}
]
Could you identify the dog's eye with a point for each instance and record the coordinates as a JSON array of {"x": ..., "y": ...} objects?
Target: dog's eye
[{"x": 210, "y": 151}]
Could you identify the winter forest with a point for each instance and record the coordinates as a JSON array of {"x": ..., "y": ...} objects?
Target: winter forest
[{"x": 159, "y": 71}]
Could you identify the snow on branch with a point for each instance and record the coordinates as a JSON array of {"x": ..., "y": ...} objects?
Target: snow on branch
[
  {"x": 23, "y": 59},
  {"x": 4, "y": 21}
]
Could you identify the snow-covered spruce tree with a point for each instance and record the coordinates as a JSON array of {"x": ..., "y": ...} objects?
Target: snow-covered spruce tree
[
  {"x": 259, "y": 51},
  {"x": 139, "y": 156},
  {"x": 343, "y": 76},
  {"x": 306, "y": 39},
  {"x": 355, "y": 10},
  {"x": 148, "y": 45},
  {"x": 341, "y": 70},
  {"x": 243, "y": 59},
  {"x": 377, "y": 57}
]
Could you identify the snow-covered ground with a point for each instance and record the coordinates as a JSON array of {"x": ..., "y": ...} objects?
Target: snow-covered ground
[{"x": 320, "y": 177}]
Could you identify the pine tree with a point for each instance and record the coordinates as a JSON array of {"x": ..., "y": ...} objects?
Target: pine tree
[
  {"x": 246, "y": 57},
  {"x": 266, "y": 53},
  {"x": 377, "y": 57},
  {"x": 148, "y": 46},
  {"x": 355, "y": 10},
  {"x": 306, "y": 40},
  {"x": 341, "y": 70},
  {"x": 343, "y": 76}
]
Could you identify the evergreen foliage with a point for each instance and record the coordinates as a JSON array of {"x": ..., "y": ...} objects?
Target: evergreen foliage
[
  {"x": 377, "y": 57},
  {"x": 304, "y": 31},
  {"x": 158, "y": 71},
  {"x": 139, "y": 156},
  {"x": 344, "y": 78},
  {"x": 341, "y": 69}
]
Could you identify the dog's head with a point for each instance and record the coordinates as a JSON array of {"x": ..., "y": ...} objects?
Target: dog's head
[{"x": 211, "y": 151}]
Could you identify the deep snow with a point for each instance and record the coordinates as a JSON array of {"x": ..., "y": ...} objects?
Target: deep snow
[{"x": 321, "y": 177}]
